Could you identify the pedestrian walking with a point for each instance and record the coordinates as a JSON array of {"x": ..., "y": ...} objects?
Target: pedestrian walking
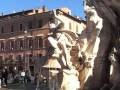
[
  {"x": 22, "y": 74},
  {"x": 5, "y": 76},
  {"x": 0, "y": 79},
  {"x": 37, "y": 81},
  {"x": 0, "y": 83},
  {"x": 27, "y": 77}
]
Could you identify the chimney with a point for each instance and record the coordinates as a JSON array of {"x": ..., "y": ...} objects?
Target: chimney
[{"x": 66, "y": 10}]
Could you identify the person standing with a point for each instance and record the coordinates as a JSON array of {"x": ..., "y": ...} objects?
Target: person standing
[
  {"x": 23, "y": 76},
  {"x": 5, "y": 76},
  {"x": 0, "y": 79},
  {"x": 37, "y": 82}
]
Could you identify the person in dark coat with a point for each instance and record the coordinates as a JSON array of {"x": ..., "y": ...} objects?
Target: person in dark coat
[
  {"x": 0, "y": 79},
  {"x": 5, "y": 76}
]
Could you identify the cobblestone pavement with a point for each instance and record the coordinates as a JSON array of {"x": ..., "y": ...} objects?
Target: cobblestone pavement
[{"x": 23, "y": 87}]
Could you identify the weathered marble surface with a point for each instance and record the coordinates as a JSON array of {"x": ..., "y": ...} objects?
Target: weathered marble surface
[{"x": 106, "y": 72}]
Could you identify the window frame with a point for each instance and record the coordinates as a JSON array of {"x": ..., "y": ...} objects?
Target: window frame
[
  {"x": 12, "y": 28},
  {"x": 2, "y": 30},
  {"x": 30, "y": 25},
  {"x": 21, "y": 27},
  {"x": 70, "y": 25},
  {"x": 40, "y": 23}
]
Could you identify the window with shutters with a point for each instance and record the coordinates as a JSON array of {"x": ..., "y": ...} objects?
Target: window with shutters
[
  {"x": 2, "y": 29},
  {"x": 40, "y": 23},
  {"x": 30, "y": 25},
  {"x": 12, "y": 28},
  {"x": 40, "y": 42},
  {"x": 11, "y": 45},
  {"x": 21, "y": 27},
  {"x": 21, "y": 44},
  {"x": 30, "y": 43},
  {"x": 70, "y": 26},
  {"x": 2, "y": 46},
  {"x": 76, "y": 28}
]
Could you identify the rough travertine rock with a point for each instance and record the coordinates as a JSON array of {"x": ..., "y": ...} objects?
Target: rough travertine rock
[{"x": 106, "y": 72}]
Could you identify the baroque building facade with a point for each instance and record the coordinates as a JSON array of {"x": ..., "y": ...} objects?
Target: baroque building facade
[{"x": 23, "y": 36}]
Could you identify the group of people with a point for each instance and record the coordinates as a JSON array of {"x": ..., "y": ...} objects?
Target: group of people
[{"x": 22, "y": 77}]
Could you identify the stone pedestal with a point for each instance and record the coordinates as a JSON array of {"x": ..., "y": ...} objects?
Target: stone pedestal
[{"x": 70, "y": 80}]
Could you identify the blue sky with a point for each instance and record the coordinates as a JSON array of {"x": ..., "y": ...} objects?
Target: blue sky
[{"x": 8, "y": 6}]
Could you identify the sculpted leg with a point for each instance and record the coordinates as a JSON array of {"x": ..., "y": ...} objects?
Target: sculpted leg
[
  {"x": 67, "y": 56},
  {"x": 54, "y": 44}
]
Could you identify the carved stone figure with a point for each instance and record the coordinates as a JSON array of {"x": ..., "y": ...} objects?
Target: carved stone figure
[
  {"x": 114, "y": 68},
  {"x": 91, "y": 40},
  {"x": 62, "y": 44},
  {"x": 70, "y": 80},
  {"x": 94, "y": 26},
  {"x": 106, "y": 63}
]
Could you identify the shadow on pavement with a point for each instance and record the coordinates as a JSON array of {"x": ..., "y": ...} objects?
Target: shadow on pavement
[{"x": 28, "y": 86}]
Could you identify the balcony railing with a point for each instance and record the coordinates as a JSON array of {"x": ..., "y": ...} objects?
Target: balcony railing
[{"x": 36, "y": 43}]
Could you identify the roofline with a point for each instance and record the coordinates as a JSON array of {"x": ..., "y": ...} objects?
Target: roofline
[
  {"x": 70, "y": 16},
  {"x": 31, "y": 10},
  {"x": 23, "y": 13},
  {"x": 17, "y": 13}
]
